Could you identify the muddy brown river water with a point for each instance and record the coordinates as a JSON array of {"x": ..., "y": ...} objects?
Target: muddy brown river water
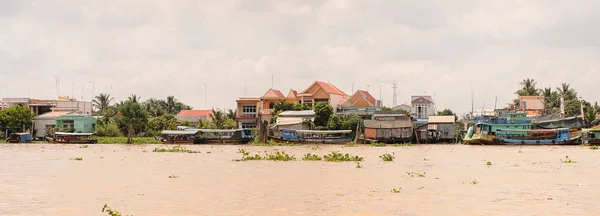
[{"x": 39, "y": 179}]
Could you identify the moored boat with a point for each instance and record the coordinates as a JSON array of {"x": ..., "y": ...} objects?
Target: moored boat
[
  {"x": 540, "y": 136},
  {"x": 240, "y": 136},
  {"x": 74, "y": 138},
  {"x": 314, "y": 136},
  {"x": 178, "y": 136}
]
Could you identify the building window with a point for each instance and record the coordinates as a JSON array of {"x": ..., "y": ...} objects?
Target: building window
[
  {"x": 249, "y": 111},
  {"x": 271, "y": 105},
  {"x": 248, "y": 125}
]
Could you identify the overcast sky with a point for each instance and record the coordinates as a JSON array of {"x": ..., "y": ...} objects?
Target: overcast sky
[{"x": 156, "y": 48}]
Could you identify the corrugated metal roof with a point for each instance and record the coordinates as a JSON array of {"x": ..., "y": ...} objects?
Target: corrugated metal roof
[
  {"x": 307, "y": 113},
  {"x": 442, "y": 119},
  {"x": 52, "y": 115}
]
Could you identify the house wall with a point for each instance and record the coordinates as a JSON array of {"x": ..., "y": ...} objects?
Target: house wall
[
  {"x": 448, "y": 130},
  {"x": 79, "y": 106},
  {"x": 428, "y": 105},
  {"x": 191, "y": 119},
  {"x": 335, "y": 101},
  {"x": 41, "y": 125}
]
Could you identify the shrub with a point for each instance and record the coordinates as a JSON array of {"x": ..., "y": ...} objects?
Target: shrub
[{"x": 108, "y": 130}]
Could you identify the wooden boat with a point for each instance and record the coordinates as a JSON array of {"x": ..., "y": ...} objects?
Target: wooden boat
[
  {"x": 74, "y": 138},
  {"x": 314, "y": 136},
  {"x": 178, "y": 136},
  {"x": 591, "y": 136},
  {"x": 484, "y": 131},
  {"x": 542, "y": 136},
  {"x": 240, "y": 136},
  {"x": 19, "y": 138}
]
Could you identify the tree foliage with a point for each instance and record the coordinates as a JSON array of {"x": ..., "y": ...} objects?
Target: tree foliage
[
  {"x": 218, "y": 118},
  {"x": 528, "y": 88},
  {"x": 16, "y": 119},
  {"x": 109, "y": 129},
  {"x": 445, "y": 112},
  {"x": 163, "y": 122},
  {"x": 322, "y": 113},
  {"x": 229, "y": 124},
  {"x": 134, "y": 118},
  {"x": 102, "y": 103}
]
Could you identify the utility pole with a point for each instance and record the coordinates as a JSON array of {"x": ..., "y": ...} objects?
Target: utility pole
[
  {"x": 205, "y": 96},
  {"x": 272, "y": 80},
  {"x": 73, "y": 93},
  {"x": 352, "y": 87},
  {"x": 395, "y": 99},
  {"x": 380, "y": 101},
  {"x": 82, "y": 92}
]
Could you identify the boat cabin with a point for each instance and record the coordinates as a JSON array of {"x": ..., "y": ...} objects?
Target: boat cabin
[
  {"x": 315, "y": 136},
  {"x": 241, "y": 136},
  {"x": 178, "y": 136},
  {"x": 75, "y": 138},
  {"x": 547, "y": 136}
]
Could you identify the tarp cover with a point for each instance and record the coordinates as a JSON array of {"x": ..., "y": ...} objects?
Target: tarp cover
[{"x": 555, "y": 121}]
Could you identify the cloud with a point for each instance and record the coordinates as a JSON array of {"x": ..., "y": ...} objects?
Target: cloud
[{"x": 161, "y": 48}]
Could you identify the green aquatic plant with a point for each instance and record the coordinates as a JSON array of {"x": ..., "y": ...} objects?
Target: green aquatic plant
[
  {"x": 279, "y": 156},
  {"x": 83, "y": 146},
  {"x": 474, "y": 182},
  {"x": 413, "y": 174},
  {"x": 246, "y": 156},
  {"x": 375, "y": 144},
  {"x": 111, "y": 212},
  {"x": 426, "y": 159},
  {"x": 358, "y": 166},
  {"x": 78, "y": 158},
  {"x": 175, "y": 149},
  {"x": 311, "y": 157},
  {"x": 567, "y": 160},
  {"x": 594, "y": 147},
  {"x": 315, "y": 147},
  {"x": 387, "y": 157},
  {"x": 173, "y": 176},
  {"x": 489, "y": 163},
  {"x": 144, "y": 150},
  {"x": 398, "y": 190},
  {"x": 339, "y": 157}
]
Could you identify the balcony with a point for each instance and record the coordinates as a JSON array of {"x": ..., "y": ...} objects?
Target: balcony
[
  {"x": 247, "y": 116},
  {"x": 266, "y": 111}
]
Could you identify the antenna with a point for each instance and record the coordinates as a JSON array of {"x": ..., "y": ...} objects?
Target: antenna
[
  {"x": 272, "y": 79},
  {"x": 367, "y": 88},
  {"x": 352, "y": 87},
  {"x": 205, "y": 95},
  {"x": 73, "y": 94},
  {"x": 244, "y": 91},
  {"x": 434, "y": 104},
  {"x": 495, "y": 102},
  {"x": 395, "y": 100},
  {"x": 472, "y": 100},
  {"x": 82, "y": 92}
]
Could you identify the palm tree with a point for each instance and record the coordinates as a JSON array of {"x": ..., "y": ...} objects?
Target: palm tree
[
  {"x": 102, "y": 102},
  {"x": 171, "y": 105},
  {"x": 550, "y": 99},
  {"x": 155, "y": 107},
  {"x": 231, "y": 114},
  {"x": 134, "y": 98},
  {"x": 218, "y": 117},
  {"x": 528, "y": 88},
  {"x": 567, "y": 92}
]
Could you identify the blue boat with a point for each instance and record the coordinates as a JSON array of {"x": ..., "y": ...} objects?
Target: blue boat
[
  {"x": 314, "y": 136},
  {"x": 19, "y": 138},
  {"x": 542, "y": 136}
]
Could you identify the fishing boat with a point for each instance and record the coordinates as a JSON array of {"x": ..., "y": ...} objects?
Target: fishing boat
[
  {"x": 541, "y": 136},
  {"x": 19, "y": 138},
  {"x": 484, "y": 131},
  {"x": 240, "y": 136},
  {"x": 178, "y": 136},
  {"x": 74, "y": 138},
  {"x": 314, "y": 136},
  {"x": 591, "y": 136}
]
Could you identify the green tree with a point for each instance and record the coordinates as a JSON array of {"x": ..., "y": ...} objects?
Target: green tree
[
  {"x": 134, "y": 98},
  {"x": 163, "y": 122},
  {"x": 528, "y": 88},
  {"x": 322, "y": 113},
  {"x": 445, "y": 112},
  {"x": 155, "y": 107},
  {"x": 334, "y": 123},
  {"x": 231, "y": 114},
  {"x": 567, "y": 92},
  {"x": 355, "y": 120},
  {"x": 133, "y": 117},
  {"x": 229, "y": 124},
  {"x": 16, "y": 118},
  {"x": 110, "y": 129},
  {"x": 386, "y": 109},
  {"x": 102, "y": 103},
  {"x": 218, "y": 118}
]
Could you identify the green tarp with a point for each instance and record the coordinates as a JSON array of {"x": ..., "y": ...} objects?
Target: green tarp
[{"x": 554, "y": 121}]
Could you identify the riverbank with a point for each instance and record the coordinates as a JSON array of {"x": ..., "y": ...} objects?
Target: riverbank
[{"x": 50, "y": 179}]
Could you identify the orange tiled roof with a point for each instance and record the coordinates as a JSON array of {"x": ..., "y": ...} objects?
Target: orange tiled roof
[
  {"x": 327, "y": 87},
  {"x": 194, "y": 113}
]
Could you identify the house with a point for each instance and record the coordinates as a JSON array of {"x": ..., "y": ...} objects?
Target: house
[
  {"x": 38, "y": 107},
  {"x": 292, "y": 96},
  {"x": 403, "y": 107},
  {"x": 193, "y": 116},
  {"x": 422, "y": 108},
  {"x": 533, "y": 105},
  {"x": 389, "y": 127},
  {"x": 322, "y": 92},
  {"x": 439, "y": 129},
  {"x": 293, "y": 120},
  {"x": 80, "y": 122},
  {"x": 247, "y": 112},
  {"x": 360, "y": 103},
  {"x": 45, "y": 122},
  {"x": 268, "y": 101},
  {"x": 71, "y": 104}
]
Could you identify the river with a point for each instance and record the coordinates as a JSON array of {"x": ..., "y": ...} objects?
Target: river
[{"x": 40, "y": 179}]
